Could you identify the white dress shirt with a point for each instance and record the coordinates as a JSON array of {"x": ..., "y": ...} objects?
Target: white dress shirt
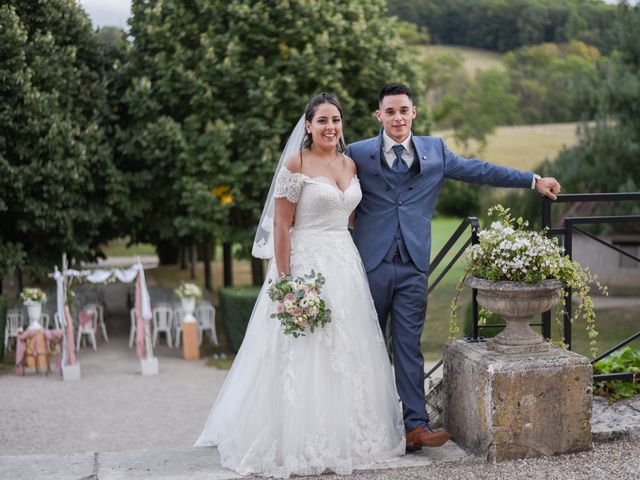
[{"x": 389, "y": 155}]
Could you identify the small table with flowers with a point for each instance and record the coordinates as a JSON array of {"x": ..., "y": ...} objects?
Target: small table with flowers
[{"x": 36, "y": 348}]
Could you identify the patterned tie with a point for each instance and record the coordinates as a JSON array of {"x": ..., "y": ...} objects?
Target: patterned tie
[{"x": 398, "y": 164}]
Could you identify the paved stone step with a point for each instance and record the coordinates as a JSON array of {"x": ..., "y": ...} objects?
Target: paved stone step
[{"x": 169, "y": 464}]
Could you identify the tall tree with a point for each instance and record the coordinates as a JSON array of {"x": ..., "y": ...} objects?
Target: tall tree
[
  {"x": 238, "y": 73},
  {"x": 59, "y": 188},
  {"x": 171, "y": 138},
  {"x": 606, "y": 156}
]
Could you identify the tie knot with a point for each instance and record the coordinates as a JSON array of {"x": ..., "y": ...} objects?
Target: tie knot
[{"x": 398, "y": 149}]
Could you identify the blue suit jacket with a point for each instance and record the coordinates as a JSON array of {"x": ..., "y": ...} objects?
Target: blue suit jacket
[{"x": 382, "y": 210}]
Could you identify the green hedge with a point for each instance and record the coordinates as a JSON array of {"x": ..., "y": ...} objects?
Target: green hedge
[
  {"x": 236, "y": 305},
  {"x": 492, "y": 319},
  {"x": 3, "y": 320}
]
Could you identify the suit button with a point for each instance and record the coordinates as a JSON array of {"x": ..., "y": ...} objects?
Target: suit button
[
  {"x": 375, "y": 174},
  {"x": 399, "y": 203},
  {"x": 387, "y": 188},
  {"x": 410, "y": 188}
]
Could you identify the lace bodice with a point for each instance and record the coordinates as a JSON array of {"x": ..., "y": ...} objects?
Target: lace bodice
[{"x": 321, "y": 205}]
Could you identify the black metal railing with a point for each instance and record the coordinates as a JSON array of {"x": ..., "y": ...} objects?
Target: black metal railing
[
  {"x": 570, "y": 226},
  {"x": 566, "y": 232},
  {"x": 446, "y": 249}
]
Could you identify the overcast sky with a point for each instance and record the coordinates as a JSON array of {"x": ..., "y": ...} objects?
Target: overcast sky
[{"x": 107, "y": 12}]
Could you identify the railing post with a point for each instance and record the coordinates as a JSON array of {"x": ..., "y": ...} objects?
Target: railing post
[
  {"x": 568, "y": 309},
  {"x": 546, "y": 223},
  {"x": 475, "y": 226}
]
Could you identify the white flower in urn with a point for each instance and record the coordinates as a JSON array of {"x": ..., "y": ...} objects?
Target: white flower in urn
[
  {"x": 188, "y": 290},
  {"x": 33, "y": 295}
]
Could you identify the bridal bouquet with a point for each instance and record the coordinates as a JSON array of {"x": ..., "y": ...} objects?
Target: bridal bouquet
[{"x": 298, "y": 304}]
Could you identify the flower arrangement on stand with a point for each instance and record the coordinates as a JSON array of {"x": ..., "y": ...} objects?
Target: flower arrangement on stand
[
  {"x": 33, "y": 298},
  {"x": 188, "y": 294},
  {"x": 33, "y": 295},
  {"x": 299, "y": 306},
  {"x": 509, "y": 252}
]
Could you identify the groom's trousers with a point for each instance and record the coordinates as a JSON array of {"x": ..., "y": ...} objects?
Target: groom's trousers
[{"x": 399, "y": 291}]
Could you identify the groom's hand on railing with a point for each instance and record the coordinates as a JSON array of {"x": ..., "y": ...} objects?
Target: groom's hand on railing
[{"x": 548, "y": 186}]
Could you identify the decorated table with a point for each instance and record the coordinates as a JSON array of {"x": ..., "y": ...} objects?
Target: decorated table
[{"x": 36, "y": 348}]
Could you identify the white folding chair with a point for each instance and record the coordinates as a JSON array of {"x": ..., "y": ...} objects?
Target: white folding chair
[
  {"x": 45, "y": 320},
  {"x": 162, "y": 322},
  {"x": 132, "y": 330},
  {"x": 88, "y": 328},
  {"x": 103, "y": 328},
  {"x": 178, "y": 317},
  {"x": 206, "y": 317},
  {"x": 13, "y": 325}
]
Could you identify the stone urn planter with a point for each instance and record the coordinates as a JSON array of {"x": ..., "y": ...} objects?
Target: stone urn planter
[
  {"x": 516, "y": 302},
  {"x": 188, "y": 307},
  {"x": 34, "y": 312}
]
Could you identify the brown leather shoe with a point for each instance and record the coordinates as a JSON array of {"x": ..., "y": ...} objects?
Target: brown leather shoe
[{"x": 421, "y": 436}]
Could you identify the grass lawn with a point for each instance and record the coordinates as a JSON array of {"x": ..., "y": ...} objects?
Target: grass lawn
[
  {"x": 473, "y": 59},
  {"x": 436, "y": 330},
  {"x": 119, "y": 248}
]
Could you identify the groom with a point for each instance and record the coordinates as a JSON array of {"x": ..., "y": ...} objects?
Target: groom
[{"x": 400, "y": 176}]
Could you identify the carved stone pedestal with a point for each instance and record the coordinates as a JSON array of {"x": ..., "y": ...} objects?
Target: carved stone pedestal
[{"x": 505, "y": 407}]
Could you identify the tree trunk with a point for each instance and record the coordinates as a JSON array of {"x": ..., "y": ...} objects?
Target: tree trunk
[
  {"x": 19, "y": 281},
  {"x": 208, "y": 275},
  {"x": 193, "y": 258},
  {"x": 228, "y": 264},
  {"x": 257, "y": 271},
  {"x": 183, "y": 257}
]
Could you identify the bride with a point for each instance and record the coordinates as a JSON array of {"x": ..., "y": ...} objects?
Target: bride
[{"x": 327, "y": 400}]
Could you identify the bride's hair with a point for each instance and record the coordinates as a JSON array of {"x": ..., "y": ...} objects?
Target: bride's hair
[{"x": 309, "y": 113}]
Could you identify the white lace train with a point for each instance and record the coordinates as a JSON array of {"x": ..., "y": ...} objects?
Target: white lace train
[{"x": 323, "y": 401}]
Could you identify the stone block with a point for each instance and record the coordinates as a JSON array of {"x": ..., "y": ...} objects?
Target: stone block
[
  {"x": 149, "y": 366},
  {"x": 506, "y": 407}
]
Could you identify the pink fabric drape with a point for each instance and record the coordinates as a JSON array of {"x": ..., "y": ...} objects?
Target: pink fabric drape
[
  {"x": 50, "y": 336},
  {"x": 89, "y": 317},
  {"x": 71, "y": 345},
  {"x": 86, "y": 316},
  {"x": 139, "y": 320}
]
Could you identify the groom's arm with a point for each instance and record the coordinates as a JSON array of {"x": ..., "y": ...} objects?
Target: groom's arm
[{"x": 475, "y": 170}]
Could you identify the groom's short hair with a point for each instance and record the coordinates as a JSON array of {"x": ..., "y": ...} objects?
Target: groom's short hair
[{"x": 395, "y": 89}]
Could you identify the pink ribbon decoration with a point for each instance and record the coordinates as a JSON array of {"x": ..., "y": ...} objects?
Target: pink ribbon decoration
[
  {"x": 50, "y": 336},
  {"x": 70, "y": 343},
  {"x": 139, "y": 320}
]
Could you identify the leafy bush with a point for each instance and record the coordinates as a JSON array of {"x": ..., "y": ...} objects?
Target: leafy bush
[
  {"x": 458, "y": 199},
  {"x": 624, "y": 360},
  {"x": 236, "y": 305}
]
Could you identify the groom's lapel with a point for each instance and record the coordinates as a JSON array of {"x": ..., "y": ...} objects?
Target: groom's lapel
[
  {"x": 420, "y": 153},
  {"x": 374, "y": 163}
]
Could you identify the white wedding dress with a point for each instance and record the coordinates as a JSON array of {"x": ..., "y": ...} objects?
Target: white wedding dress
[{"x": 327, "y": 400}]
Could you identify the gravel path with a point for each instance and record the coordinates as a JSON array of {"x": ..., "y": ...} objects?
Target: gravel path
[
  {"x": 111, "y": 408},
  {"x": 617, "y": 460}
]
